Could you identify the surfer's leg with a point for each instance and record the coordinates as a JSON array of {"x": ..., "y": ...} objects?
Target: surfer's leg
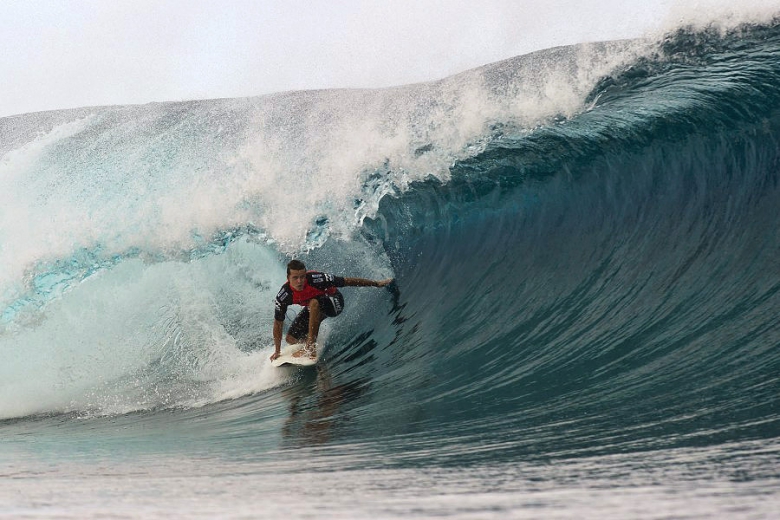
[
  {"x": 315, "y": 318},
  {"x": 320, "y": 308},
  {"x": 299, "y": 327}
]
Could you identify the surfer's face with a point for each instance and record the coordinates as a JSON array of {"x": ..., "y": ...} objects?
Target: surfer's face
[{"x": 297, "y": 279}]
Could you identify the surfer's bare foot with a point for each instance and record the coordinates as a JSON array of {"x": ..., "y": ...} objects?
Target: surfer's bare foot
[{"x": 310, "y": 350}]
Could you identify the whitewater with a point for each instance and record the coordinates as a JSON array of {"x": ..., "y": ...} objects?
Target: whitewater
[{"x": 584, "y": 241}]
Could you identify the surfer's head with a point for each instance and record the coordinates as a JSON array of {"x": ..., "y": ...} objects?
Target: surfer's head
[{"x": 296, "y": 275}]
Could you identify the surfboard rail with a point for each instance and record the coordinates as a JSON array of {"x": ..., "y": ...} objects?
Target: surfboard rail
[{"x": 296, "y": 355}]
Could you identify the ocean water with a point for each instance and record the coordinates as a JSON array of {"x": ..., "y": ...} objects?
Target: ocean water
[{"x": 585, "y": 242}]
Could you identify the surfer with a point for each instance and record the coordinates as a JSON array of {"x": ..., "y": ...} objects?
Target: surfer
[{"x": 320, "y": 298}]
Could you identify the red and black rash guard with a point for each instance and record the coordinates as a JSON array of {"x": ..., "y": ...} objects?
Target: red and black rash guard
[{"x": 317, "y": 284}]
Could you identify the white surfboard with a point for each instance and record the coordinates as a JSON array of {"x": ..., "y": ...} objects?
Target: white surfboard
[{"x": 295, "y": 355}]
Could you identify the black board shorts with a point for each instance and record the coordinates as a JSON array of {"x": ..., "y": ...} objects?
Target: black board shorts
[{"x": 330, "y": 305}]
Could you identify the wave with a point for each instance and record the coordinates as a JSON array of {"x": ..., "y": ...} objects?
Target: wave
[
  {"x": 101, "y": 200},
  {"x": 614, "y": 272},
  {"x": 584, "y": 243}
]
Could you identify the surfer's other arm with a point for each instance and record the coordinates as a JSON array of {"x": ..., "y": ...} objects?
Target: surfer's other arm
[{"x": 278, "y": 327}]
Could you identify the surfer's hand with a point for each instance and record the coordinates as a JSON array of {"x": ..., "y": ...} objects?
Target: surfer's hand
[
  {"x": 384, "y": 283},
  {"x": 275, "y": 355}
]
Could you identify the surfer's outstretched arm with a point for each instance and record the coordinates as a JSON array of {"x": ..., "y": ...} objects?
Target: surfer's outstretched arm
[{"x": 363, "y": 282}]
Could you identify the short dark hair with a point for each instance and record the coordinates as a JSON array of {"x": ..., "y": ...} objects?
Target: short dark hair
[{"x": 295, "y": 265}]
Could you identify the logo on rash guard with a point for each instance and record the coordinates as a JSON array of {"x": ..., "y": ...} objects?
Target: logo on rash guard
[
  {"x": 283, "y": 295},
  {"x": 319, "y": 278}
]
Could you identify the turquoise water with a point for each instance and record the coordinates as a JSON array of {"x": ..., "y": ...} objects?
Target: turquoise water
[{"x": 584, "y": 241}]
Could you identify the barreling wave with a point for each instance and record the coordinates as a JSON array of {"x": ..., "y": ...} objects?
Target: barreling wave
[
  {"x": 608, "y": 282},
  {"x": 142, "y": 245},
  {"x": 584, "y": 241}
]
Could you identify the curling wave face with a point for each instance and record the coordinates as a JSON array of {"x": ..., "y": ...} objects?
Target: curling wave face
[
  {"x": 584, "y": 241},
  {"x": 141, "y": 246}
]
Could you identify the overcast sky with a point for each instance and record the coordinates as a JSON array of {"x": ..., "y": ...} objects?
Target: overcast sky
[{"x": 72, "y": 53}]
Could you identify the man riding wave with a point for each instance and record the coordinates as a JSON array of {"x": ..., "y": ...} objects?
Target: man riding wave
[{"x": 320, "y": 298}]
